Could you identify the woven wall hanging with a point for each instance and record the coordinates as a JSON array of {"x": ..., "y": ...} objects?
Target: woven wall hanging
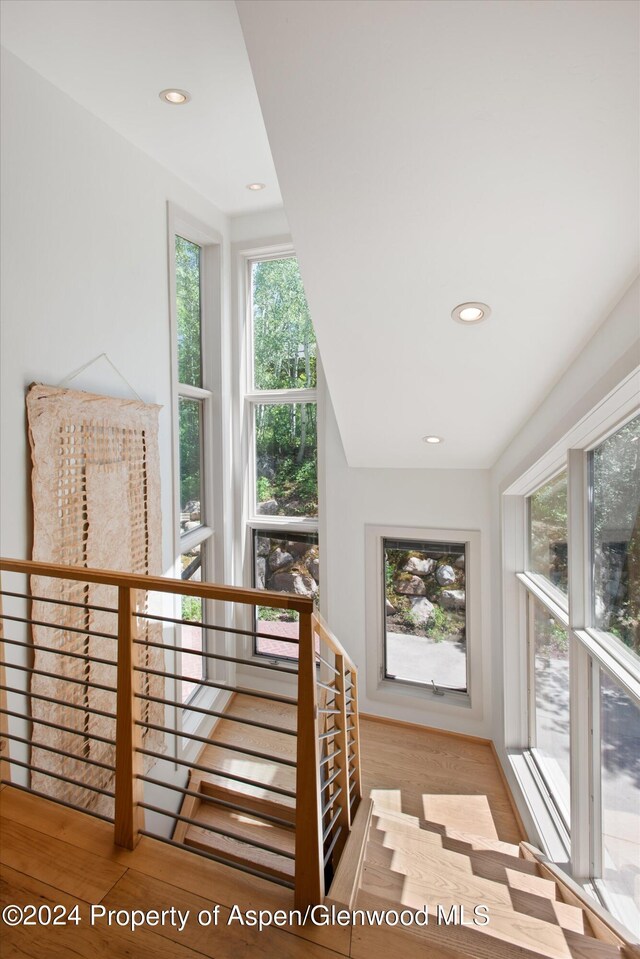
[{"x": 96, "y": 503}]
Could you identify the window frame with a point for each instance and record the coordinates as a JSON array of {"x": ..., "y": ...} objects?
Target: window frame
[
  {"x": 591, "y": 650},
  {"x": 249, "y": 398},
  {"x": 208, "y": 534},
  {"x": 386, "y": 690}
]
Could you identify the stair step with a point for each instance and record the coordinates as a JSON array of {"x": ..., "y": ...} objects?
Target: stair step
[
  {"x": 252, "y": 804},
  {"x": 509, "y": 870},
  {"x": 507, "y": 936},
  {"x": 509, "y": 933},
  {"x": 238, "y": 846},
  {"x": 468, "y": 839}
]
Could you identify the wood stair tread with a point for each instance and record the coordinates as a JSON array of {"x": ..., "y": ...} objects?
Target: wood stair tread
[
  {"x": 244, "y": 830},
  {"x": 486, "y": 863},
  {"x": 514, "y": 936}
]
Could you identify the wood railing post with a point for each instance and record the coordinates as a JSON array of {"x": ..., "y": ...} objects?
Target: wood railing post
[
  {"x": 129, "y": 816},
  {"x": 354, "y": 720},
  {"x": 341, "y": 760},
  {"x": 309, "y": 867}
]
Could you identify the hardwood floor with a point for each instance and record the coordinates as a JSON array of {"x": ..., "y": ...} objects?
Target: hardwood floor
[{"x": 449, "y": 785}]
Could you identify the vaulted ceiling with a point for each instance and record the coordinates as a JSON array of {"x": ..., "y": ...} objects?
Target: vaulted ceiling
[{"x": 429, "y": 152}]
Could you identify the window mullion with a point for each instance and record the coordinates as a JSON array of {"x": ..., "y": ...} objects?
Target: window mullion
[{"x": 581, "y": 718}]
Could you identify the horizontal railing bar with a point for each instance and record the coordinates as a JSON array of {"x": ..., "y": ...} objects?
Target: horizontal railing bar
[
  {"x": 327, "y": 856},
  {"x": 330, "y": 802},
  {"x": 206, "y": 798},
  {"x": 330, "y": 712},
  {"x": 213, "y": 742},
  {"x": 219, "y": 859},
  {"x": 64, "y": 779},
  {"x": 349, "y": 729},
  {"x": 287, "y": 700},
  {"x": 219, "y": 832},
  {"x": 58, "y": 602},
  {"x": 61, "y": 626},
  {"x": 329, "y": 734},
  {"x": 328, "y": 686},
  {"x": 60, "y": 752},
  {"x": 216, "y": 772},
  {"x": 64, "y": 679},
  {"x": 58, "y": 802},
  {"x": 326, "y": 662},
  {"x": 160, "y": 584},
  {"x": 350, "y": 743},
  {"x": 330, "y": 780},
  {"x": 61, "y": 652},
  {"x": 209, "y": 626},
  {"x": 57, "y": 702},
  {"x": 334, "y": 819},
  {"x": 212, "y": 712},
  {"x": 352, "y": 771},
  {"x": 336, "y": 752},
  {"x": 66, "y": 729},
  {"x": 226, "y": 659}
]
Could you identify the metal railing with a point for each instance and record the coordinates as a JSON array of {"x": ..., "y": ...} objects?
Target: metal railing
[{"x": 90, "y": 742}]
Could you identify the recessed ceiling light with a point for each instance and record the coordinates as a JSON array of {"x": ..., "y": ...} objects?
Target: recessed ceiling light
[
  {"x": 256, "y": 186},
  {"x": 174, "y": 97},
  {"x": 471, "y": 312},
  {"x": 432, "y": 439}
]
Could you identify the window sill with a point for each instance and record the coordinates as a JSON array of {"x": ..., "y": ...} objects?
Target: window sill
[
  {"x": 551, "y": 832},
  {"x": 395, "y": 690}
]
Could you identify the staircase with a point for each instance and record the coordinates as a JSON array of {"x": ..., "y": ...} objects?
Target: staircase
[
  {"x": 251, "y": 825},
  {"x": 411, "y": 863}
]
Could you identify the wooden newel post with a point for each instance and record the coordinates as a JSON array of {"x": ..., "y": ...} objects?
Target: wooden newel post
[
  {"x": 129, "y": 816},
  {"x": 309, "y": 868}
]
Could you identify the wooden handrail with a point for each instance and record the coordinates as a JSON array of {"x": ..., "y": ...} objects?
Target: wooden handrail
[
  {"x": 310, "y": 801},
  {"x": 334, "y": 644},
  {"x": 160, "y": 584}
]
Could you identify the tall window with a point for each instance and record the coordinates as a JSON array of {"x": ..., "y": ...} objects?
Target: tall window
[
  {"x": 194, "y": 425},
  {"x": 282, "y": 413},
  {"x": 582, "y": 581}
]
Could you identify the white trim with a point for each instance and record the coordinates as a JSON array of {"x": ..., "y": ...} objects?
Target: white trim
[
  {"x": 619, "y": 406},
  {"x": 399, "y": 691},
  {"x": 180, "y": 223},
  {"x": 549, "y": 599},
  {"x": 590, "y": 649}
]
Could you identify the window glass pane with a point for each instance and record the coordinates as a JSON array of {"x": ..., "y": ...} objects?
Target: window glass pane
[
  {"x": 192, "y": 636},
  {"x": 284, "y": 344},
  {"x": 190, "y": 419},
  {"x": 425, "y": 606},
  {"x": 620, "y": 738},
  {"x": 551, "y": 685},
  {"x": 286, "y": 460},
  {"x": 616, "y": 535},
  {"x": 284, "y": 563},
  {"x": 188, "y": 310},
  {"x": 548, "y": 531}
]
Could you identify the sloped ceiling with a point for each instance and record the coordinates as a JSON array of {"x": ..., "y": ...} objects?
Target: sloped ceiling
[
  {"x": 115, "y": 56},
  {"x": 431, "y": 153}
]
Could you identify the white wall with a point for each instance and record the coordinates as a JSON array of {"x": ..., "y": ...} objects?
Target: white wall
[
  {"x": 449, "y": 499},
  {"x": 85, "y": 271},
  {"x": 84, "y": 252}
]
